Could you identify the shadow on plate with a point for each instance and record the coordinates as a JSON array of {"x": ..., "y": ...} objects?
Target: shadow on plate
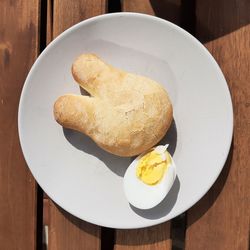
[
  {"x": 116, "y": 164},
  {"x": 169, "y": 138},
  {"x": 164, "y": 207}
]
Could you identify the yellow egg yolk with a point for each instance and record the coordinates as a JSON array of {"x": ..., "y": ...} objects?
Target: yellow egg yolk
[{"x": 152, "y": 166}]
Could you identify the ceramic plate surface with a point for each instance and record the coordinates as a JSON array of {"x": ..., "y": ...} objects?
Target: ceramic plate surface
[{"x": 87, "y": 181}]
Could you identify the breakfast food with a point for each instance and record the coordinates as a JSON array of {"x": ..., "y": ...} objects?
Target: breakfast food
[
  {"x": 125, "y": 113},
  {"x": 152, "y": 167},
  {"x": 149, "y": 177}
]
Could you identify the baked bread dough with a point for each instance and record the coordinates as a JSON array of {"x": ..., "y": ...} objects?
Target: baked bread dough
[{"x": 125, "y": 114}]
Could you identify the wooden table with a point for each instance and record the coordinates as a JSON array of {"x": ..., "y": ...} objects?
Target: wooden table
[{"x": 219, "y": 221}]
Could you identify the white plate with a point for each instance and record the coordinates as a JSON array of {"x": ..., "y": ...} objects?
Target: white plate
[{"x": 85, "y": 180}]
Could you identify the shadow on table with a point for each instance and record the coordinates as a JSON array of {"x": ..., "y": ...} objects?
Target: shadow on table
[
  {"x": 222, "y": 19},
  {"x": 189, "y": 14},
  {"x": 210, "y": 198},
  {"x": 167, "y": 9}
]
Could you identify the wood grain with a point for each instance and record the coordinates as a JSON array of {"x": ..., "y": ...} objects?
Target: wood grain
[
  {"x": 66, "y": 231},
  {"x": 152, "y": 238},
  {"x": 221, "y": 219},
  {"x": 138, "y": 6},
  {"x": 67, "y": 13},
  {"x": 166, "y": 9},
  {"x": 46, "y": 219},
  {"x": 157, "y": 237},
  {"x": 19, "y": 22},
  {"x": 49, "y": 21}
]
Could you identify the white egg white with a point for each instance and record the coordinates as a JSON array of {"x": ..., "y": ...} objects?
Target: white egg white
[{"x": 145, "y": 196}]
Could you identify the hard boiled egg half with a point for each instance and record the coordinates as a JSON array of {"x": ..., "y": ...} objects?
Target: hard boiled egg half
[{"x": 149, "y": 178}]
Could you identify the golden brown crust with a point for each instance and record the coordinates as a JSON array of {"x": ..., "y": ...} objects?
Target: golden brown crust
[{"x": 126, "y": 115}]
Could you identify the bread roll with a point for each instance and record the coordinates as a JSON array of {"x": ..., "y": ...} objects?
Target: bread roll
[{"x": 125, "y": 113}]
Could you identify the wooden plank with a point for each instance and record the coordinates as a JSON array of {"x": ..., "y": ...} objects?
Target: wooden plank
[
  {"x": 157, "y": 237},
  {"x": 152, "y": 238},
  {"x": 19, "y": 21},
  {"x": 66, "y": 231},
  {"x": 49, "y": 24},
  {"x": 166, "y": 9},
  {"x": 46, "y": 219},
  {"x": 138, "y": 6},
  {"x": 221, "y": 219},
  {"x": 67, "y": 13}
]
